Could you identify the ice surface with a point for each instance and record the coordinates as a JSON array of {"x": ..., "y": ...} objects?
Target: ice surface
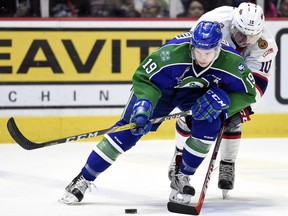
[{"x": 31, "y": 182}]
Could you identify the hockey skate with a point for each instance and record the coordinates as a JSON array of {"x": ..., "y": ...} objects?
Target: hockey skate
[
  {"x": 181, "y": 191},
  {"x": 175, "y": 162},
  {"x": 75, "y": 191},
  {"x": 226, "y": 177}
]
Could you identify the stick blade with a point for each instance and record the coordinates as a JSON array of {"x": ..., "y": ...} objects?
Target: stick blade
[
  {"x": 19, "y": 137},
  {"x": 182, "y": 208}
]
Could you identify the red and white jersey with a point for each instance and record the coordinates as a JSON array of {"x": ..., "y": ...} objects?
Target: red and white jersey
[{"x": 258, "y": 57}]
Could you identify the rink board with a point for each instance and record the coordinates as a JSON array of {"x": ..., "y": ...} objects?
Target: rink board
[{"x": 40, "y": 129}]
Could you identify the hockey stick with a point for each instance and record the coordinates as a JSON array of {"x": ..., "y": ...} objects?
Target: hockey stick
[
  {"x": 29, "y": 145},
  {"x": 196, "y": 209}
]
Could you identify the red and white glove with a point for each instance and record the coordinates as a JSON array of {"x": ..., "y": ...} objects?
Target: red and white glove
[
  {"x": 240, "y": 117},
  {"x": 245, "y": 114}
]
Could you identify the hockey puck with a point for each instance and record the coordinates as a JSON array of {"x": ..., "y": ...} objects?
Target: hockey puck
[{"x": 131, "y": 211}]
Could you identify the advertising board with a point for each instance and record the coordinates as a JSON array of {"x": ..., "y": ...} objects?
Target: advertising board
[{"x": 52, "y": 69}]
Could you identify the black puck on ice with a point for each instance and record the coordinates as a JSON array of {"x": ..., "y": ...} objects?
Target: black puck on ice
[{"x": 131, "y": 211}]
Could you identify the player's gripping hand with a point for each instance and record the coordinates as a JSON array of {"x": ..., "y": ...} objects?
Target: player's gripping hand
[
  {"x": 241, "y": 117},
  {"x": 210, "y": 105},
  {"x": 142, "y": 112}
]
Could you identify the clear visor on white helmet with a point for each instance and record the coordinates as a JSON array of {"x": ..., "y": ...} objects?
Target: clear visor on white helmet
[{"x": 242, "y": 39}]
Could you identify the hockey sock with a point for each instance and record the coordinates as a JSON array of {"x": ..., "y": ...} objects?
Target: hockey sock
[
  {"x": 103, "y": 155},
  {"x": 194, "y": 152}
]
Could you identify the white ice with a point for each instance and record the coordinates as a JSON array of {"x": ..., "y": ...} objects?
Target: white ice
[{"x": 31, "y": 182}]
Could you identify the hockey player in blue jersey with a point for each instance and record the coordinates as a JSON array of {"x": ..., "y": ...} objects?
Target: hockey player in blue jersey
[{"x": 194, "y": 71}]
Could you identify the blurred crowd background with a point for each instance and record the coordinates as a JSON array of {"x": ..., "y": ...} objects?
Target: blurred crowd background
[{"x": 128, "y": 8}]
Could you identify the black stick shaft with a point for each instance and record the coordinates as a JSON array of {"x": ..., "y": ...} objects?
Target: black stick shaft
[{"x": 25, "y": 143}]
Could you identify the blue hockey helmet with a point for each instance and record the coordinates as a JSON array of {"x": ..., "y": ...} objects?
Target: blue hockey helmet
[{"x": 207, "y": 35}]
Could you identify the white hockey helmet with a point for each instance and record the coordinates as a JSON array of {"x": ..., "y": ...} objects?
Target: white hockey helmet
[{"x": 249, "y": 19}]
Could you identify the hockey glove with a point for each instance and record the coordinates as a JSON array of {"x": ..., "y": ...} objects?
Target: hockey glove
[
  {"x": 241, "y": 117},
  {"x": 210, "y": 105},
  {"x": 142, "y": 112},
  {"x": 245, "y": 114}
]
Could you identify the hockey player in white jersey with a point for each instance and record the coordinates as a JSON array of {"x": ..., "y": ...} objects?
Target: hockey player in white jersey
[{"x": 243, "y": 28}]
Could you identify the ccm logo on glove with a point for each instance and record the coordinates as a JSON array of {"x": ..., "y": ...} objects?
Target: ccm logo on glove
[
  {"x": 217, "y": 99},
  {"x": 210, "y": 105}
]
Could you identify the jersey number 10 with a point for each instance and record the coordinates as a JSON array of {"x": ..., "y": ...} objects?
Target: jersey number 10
[{"x": 265, "y": 67}]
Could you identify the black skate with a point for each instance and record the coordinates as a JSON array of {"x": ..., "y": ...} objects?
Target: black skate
[{"x": 226, "y": 177}]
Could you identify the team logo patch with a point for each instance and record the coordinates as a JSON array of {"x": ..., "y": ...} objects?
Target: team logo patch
[
  {"x": 192, "y": 82},
  {"x": 218, "y": 30},
  {"x": 268, "y": 52},
  {"x": 165, "y": 55},
  {"x": 262, "y": 44},
  {"x": 241, "y": 67}
]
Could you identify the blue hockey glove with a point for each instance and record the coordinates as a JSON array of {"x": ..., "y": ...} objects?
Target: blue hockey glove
[
  {"x": 142, "y": 112},
  {"x": 210, "y": 105}
]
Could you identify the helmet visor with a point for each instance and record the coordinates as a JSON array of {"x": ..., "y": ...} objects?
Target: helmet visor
[{"x": 242, "y": 39}]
